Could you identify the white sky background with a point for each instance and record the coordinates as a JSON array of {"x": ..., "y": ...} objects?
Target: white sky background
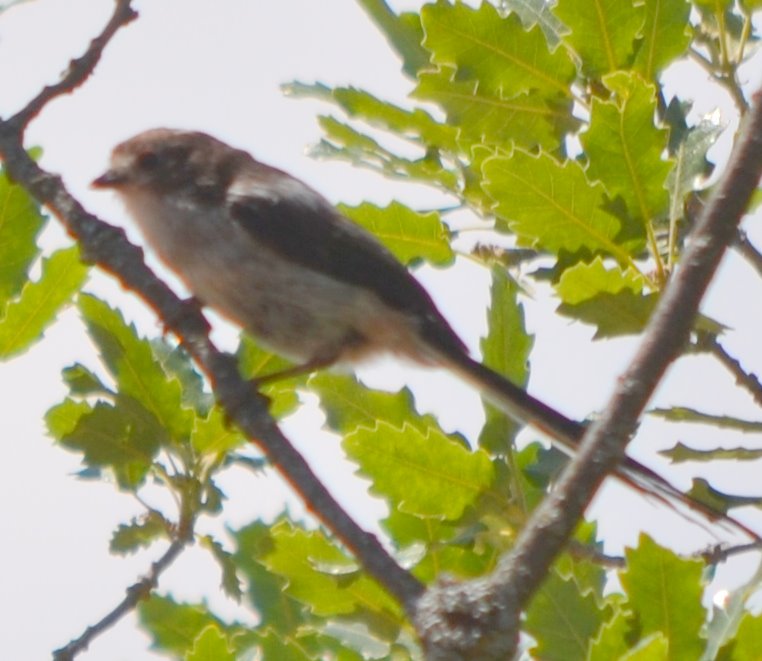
[{"x": 217, "y": 67}]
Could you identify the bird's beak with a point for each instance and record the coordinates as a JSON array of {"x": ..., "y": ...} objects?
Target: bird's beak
[{"x": 110, "y": 179}]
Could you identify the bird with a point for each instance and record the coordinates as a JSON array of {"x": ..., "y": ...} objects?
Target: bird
[{"x": 275, "y": 257}]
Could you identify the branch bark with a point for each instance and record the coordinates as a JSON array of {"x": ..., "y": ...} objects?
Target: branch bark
[
  {"x": 481, "y": 619},
  {"x": 108, "y": 247}
]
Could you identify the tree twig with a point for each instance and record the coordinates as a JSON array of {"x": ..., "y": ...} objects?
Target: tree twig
[
  {"x": 717, "y": 554},
  {"x": 752, "y": 255},
  {"x": 79, "y": 68},
  {"x": 134, "y": 595},
  {"x": 181, "y": 535},
  {"x": 709, "y": 343},
  {"x": 726, "y": 78},
  {"x": 482, "y": 618}
]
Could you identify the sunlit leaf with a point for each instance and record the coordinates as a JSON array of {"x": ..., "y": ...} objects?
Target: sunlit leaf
[
  {"x": 433, "y": 546},
  {"x": 410, "y": 235},
  {"x": 348, "y": 404},
  {"x": 214, "y": 435},
  {"x": 322, "y": 577},
  {"x": 665, "y": 35},
  {"x": 211, "y": 645},
  {"x": 665, "y": 594},
  {"x": 528, "y": 119},
  {"x": 427, "y": 474},
  {"x": 25, "y": 318},
  {"x": 613, "y": 639},
  {"x": 135, "y": 367},
  {"x": 625, "y": 147},
  {"x": 265, "y": 590},
  {"x": 601, "y": 32},
  {"x": 257, "y": 361},
  {"x": 551, "y": 205},
  {"x": 20, "y": 223},
  {"x": 496, "y": 51}
]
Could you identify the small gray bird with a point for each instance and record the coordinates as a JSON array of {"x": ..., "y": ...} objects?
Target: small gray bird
[{"x": 275, "y": 257}]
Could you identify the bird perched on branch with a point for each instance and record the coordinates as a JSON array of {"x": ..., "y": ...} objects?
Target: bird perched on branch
[{"x": 274, "y": 256}]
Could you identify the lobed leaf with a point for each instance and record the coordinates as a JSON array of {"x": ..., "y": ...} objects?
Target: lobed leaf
[
  {"x": 625, "y": 147},
  {"x": 135, "y": 367},
  {"x": 416, "y": 125},
  {"x": 230, "y": 584},
  {"x": 213, "y": 435},
  {"x": 614, "y": 638},
  {"x": 552, "y": 206},
  {"x": 528, "y": 119},
  {"x": 349, "y": 405},
  {"x": 175, "y": 627},
  {"x": 410, "y": 235},
  {"x": 745, "y": 644},
  {"x": 402, "y": 31},
  {"x": 322, "y": 577},
  {"x": 273, "y": 646},
  {"x": 690, "y": 163},
  {"x": 563, "y": 619},
  {"x": 664, "y": 37},
  {"x": 26, "y": 318},
  {"x": 128, "y": 538},
  {"x": 124, "y": 437},
  {"x": 506, "y": 350},
  {"x": 680, "y": 453},
  {"x": 20, "y": 224},
  {"x": 705, "y": 493},
  {"x": 601, "y": 32},
  {"x": 686, "y": 414},
  {"x": 344, "y": 142},
  {"x": 665, "y": 593},
  {"x": 82, "y": 381},
  {"x": 611, "y": 299},
  {"x": 422, "y": 473},
  {"x": 496, "y": 51},
  {"x": 266, "y": 591},
  {"x": 433, "y": 546},
  {"x": 211, "y": 645}
]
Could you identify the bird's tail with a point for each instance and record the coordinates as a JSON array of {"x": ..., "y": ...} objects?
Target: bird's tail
[{"x": 567, "y": 434}]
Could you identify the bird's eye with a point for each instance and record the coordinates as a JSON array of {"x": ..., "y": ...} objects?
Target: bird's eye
[{"x": 148, "y": 161}]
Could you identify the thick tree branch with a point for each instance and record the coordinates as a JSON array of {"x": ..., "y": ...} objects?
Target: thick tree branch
[
  {"x": 108, "y": 247},
  {"x": 481, "y": 619}
]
